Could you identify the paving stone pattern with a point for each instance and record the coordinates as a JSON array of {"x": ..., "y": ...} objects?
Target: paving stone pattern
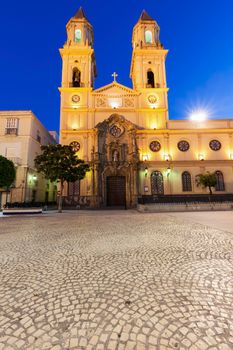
[{"x": 115, "y": 281}]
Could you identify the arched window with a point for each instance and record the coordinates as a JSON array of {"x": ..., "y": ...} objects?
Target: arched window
[
  {"x": 186, "y": 182},
  {"x": 220, "y": 186},
  {"x": 77, "y": 35},
  {"x": 148, "y": 37},
  {"x": 157, "y": 186},
  {"x": 76, "y": 78},
  {"x": 150, "y": 79}
]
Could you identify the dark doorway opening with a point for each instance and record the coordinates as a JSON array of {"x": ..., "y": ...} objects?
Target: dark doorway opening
[{"x": 116, "y": 191}]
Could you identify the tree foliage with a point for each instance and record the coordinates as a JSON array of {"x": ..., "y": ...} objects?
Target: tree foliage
[
  {"x": 58, "y": 162},
  {"x": 207, "y": 180},
  {"x": 7, "y": 172}
]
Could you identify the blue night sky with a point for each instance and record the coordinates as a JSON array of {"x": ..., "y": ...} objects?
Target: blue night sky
[{"x": 198, "y": 33}]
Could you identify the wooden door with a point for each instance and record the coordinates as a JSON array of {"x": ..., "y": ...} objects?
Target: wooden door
[{"x": 116, "y": 191}]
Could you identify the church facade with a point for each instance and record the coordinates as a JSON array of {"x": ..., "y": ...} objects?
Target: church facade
[{"x": 125, "y": 134}]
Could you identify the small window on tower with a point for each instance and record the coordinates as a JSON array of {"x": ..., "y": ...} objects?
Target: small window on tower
[
  {"x": 78, "y": 35},
  {"x": 148, "y": 37}
]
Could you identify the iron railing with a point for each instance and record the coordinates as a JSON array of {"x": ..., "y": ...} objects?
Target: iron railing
[
  {"x": 11, "y": 131},
  {"x": 182, "y": 199}
]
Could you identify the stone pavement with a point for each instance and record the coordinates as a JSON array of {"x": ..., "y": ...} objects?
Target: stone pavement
[
  {"x": 219, "y": 220},
  {"x": 114, "y": 280}
]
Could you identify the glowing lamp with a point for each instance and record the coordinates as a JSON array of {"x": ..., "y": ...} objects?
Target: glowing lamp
[
  {"x": 145, "y": 157},
  {"x": 231, "y": 156},
  {"x": 168, "y": 172},
  {"x": 74, "y": 126},
  {"x": 153, "y": 126},
  {"x": 199, "y": 116},
  {"x": 115, "y": 103},
  {"x": 167, "y": 157},
  {"x": 201, "y": 157}
]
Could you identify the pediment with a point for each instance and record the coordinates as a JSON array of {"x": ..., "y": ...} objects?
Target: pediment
[{"x": 115, "y": 89}]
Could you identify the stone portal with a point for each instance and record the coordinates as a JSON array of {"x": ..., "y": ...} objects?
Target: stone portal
[{"x": 116, "y": 162}]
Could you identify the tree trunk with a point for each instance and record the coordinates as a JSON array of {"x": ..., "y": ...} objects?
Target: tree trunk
[
  {"x": 210, "y": 189},
  {"x": 60, "y": 197},
  {"x": 7, "y": 192}
]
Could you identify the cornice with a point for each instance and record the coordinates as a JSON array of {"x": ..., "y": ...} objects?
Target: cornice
[
  {"x": 115, "y": 84},
  {"x": 67, "y": 51},
  {"x": 115, "y": 110},
  {"x": 186, "y": 131},
  {"x": 154, "y": 51},
  {"x": 184, "y": 163},
  {"x": 151, "y": 110},
  {"x": 78, "y": 131},
  {"x": 150, "y": 90},
  {"x": 77, "y": 89}
]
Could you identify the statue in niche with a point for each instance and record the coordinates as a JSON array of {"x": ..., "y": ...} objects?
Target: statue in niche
[{"x": 115, "y": 156}]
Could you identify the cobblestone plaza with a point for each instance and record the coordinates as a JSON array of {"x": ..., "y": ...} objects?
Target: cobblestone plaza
[{"x": 114, "y": 280}]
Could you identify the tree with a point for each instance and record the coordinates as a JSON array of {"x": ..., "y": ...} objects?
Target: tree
[
  {"x": 207, "y": 180},
  {"x": 58, "y": 162},
  {"x": 7, "y": 172}
]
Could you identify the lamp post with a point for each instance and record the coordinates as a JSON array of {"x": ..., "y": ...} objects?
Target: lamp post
[{"x": 145, "y": 159}]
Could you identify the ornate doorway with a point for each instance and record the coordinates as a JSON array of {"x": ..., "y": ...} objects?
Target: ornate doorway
[
  {"x": 116, "y": 191},
  {"x": 157, "y": 186}
]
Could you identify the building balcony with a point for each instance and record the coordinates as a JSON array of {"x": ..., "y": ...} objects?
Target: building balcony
[{"x": 11, "y": 131}]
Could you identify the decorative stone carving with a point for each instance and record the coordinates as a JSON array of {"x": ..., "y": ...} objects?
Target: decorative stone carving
[
  {"x": 129, "y": 102},
  {"x": 101, "y": 102},
  {"x": 116, "y": 130},
  {"x": 153, "y": 99}
]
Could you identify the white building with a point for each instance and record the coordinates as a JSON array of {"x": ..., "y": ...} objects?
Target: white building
[{"x": 21, "y": 135}]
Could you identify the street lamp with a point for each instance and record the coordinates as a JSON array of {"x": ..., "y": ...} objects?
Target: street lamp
[{"x": 168, "y": 172}]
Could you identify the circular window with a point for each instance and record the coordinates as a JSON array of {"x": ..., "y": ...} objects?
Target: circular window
[
  {"x": 215, "y": 145},
  {"x": 155, "y": 146},
  {"x": 75, "y": 145},
  {"x": 183, "y": 146},
  {"x": 75, "y": 98},
  {"x": 153, "y": 99}
]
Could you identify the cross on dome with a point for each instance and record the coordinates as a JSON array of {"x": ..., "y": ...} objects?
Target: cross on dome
[{"x": 114, "y": 75}]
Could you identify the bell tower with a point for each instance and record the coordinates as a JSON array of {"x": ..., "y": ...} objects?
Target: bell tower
[
  {"x": 78, "y": 74},
  {"x": 79, "y": 67},
  {"x": 148, "y": 72}
]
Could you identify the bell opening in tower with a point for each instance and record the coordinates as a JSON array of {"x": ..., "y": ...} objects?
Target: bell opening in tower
[
  {"x": 150, "y": 79},
  {"x": 76, "y": 79}
]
